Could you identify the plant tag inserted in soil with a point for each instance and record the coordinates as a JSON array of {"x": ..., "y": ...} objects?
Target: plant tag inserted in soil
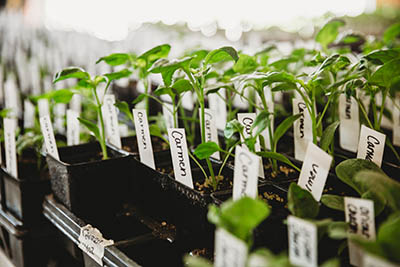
[
  {"x": 247, "y": 120},
  {"x": 349, "y": 127},
  {"x": 396, "y": 120},
  {"x": 211, "y": 132},
  {"x": 91, "y": 242},
  {"x": 229, "y": 250},
  {"x": 9, "y": 144},
  {"x": 11, "y": 98},
  {"x": 180, "y": 156},
  {"x": 217, "y": 104},
  {"x": 371, "y": 145},
  {"x": 59, "y": 117},
  {"x": 169, "y": 116},
  {"x": 374, "y": 261},
  {"x": 48, "y": 136},
  {"x": 43, "y": 107},
  {"x": 303, "y": 249},
  {"x": 111, "y": 121},
  {"x": 270, "y": 104},
  {"x": 143, "y": 137},
  {"x": 245, "y": 174},
  {"x": 72, "y": 127},
  {"x": 75, "y": 103},
  {"x": 361, "y": 218},
  {"x": 315, "y": 170},
  {"x": 302, "y": 129},
  {"x": 29, "y": 114},
  {"x": 187, "y": 100}
]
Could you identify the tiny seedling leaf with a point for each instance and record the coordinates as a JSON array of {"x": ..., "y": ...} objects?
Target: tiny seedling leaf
[
  {"x": 115, "y": 59},
  {"x": 71, "y": 72},
  {"x": 333, "y": 201},
  {"x": 232, "y": 127},
  {"x": 329, "y": 32},
  {"x": 205, "y": 150},
  {"x": 279, "y": 157},
  {"x": 301, "y": 203},
  {"x": 284, "y": 126},
  {"x": 221, "y": 54},
  {"x": 328, "y": 135},
  {"x": 118, "y": 75},
  {"x": 91, "y": 127},
  {"x": 124, "y": 107}
]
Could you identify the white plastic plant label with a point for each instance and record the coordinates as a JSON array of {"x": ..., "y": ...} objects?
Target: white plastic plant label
[
  {"x": 187, "y": 100},
  {"x": 75, "y": 103},
  {"x": 315, "y": 170},
  {"x": 247, "y": 120},
  {"x": 143, "y": 137},
  {"x": 217, "y": 104},
  {"x": 360, "y": 215},
  {"x": 43, "y": 107},
  {"x": 169, "y": 116},
  {"x": 349, "y": 127},
  {"x": 371, "y": 145},
  {"x": 29, "y": 114},
  {"x": 396, "y": 120},
  {"x": 11, "y": 98},
  {"x": 111, "y": 120},
  {"x": 302, "y": 129},
  {"x": 91, "y": 241},
  {"x": 211, "y": 132},
  {"x": 229, "y": 250},
  {"x": 72, "y": 128},
  {"x": 48, "y": 136},
  {"x": 245, "y": 174},
  {"x": 60, "y": 110},
  {"x": 9, "y": 145},
  {"x": 303, "y": 238},
  {"x": 370, "y": 260},
  {"x": 180, "y": 156},
  {"x": 123, "y": 130},
  {"x": 270, "y": 105}
]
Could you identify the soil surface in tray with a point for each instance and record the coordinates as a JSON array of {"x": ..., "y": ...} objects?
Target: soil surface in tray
[{"x": 131, "y": 145}]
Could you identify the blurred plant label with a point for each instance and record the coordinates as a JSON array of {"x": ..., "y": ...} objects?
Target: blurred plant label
[
  {"x": 396, "y": 120},
  {"x": 143, "y": 137},
  {"x": 72, "y": 128},
  {"x": 371, "y": 145},
  {"x": 187, "y": 100},
  {"x": 11, "y": 98},
  {"x": 247, "y": 120},
  {"x": 48, "y": 136},
  {"x": 360, "y": 215},
  {"x": 245, "y": 174},
  {"x": 370, "y": 260},
  {"x": 229, "y": 250},
  {"x": 91, "y": 242},
  {"x": 217, "y": 104},
  {"x": 302, "y": 129},
  {"x": 111, "y": 120},
  {"x": 169, "y": 116},
  {"x": 75, "y": 103},
  {"x": 303, "y": 236},
  {"x": 270, "y": 105},
  {"x": 43, "y": 107},
  {"x": 29, "y": 114},
  {"x": 349, "y": 127},
  {"x": 315, "y": 170},
  {"x": 211, "y": 132},
  {"x": 9, "y": 144},
  {"x": 180, "y": 156},
  {"x": 59, "y": 117}
]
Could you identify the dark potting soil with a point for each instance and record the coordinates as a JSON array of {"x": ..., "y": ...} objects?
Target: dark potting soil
[{"x": 130, "y": 144}]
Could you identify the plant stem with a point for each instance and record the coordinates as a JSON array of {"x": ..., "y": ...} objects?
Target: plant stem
[
  {"x": 103, "y": 135},
  {"x": 382, "y": 107},
  {"x": 146, "y": 90}
]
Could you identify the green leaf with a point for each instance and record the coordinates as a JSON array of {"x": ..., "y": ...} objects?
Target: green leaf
[
  {"x": 301, "y": 203},
  {"x": 205, "y": 150},
  {"x": 284, "y": 126},
  {"x": 4, "y": 112},
  {"x": 91, "y": 127},
  {"x": 124, "y": 107},
  {"x": 387, "y": 74},
  {"x": 389, "y": 237},
  {"x": 62, "y": 96},
  {"x": 279, "y": 157},
  {"x": 164, "y": 91},
  {"x": 167, "y": 68},
  {"x": 382, "y": 56},
  {"x": 154, "y": 54},
  {"x": 196, "y": 261},
  {"x": 221, "y": 54},
  {"x": 198, "y": 57},
  {"x": 379, "y": 201},
  {"x": 333, "y": 201},
  {"x": 239, "y": 217},
  {"x": 115, "y": 59},
  {"x": 328, "y": 135},
  {"x": 232, "y": 127},
  {"x": 380, "y": 185},
  {"x": 282, "y": 77},
  {"x": 346, "y": 171},
  {"x": 284, "y": 87},
  {"x": 329, "y": 32},
  {"x": 245, "y": 64},
  {"x": 181, "y": 86},
  {"x": 391, "y": 33},
  {"x": 338, "y": 230},
  {"x": 138, "y": 99},
  {"x": 155, "y": 131},
  {"x": 261, "y": 122},
  {"x": 118, "y": 75},
  {"x": 71, "y": 72}
]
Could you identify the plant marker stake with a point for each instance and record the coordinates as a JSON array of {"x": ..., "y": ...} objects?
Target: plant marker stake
[
  {"x": 180, "y": 156},
  {"x": 168, "y": 116},
  {"x": 9, "y": 144},
  {"x": 218, "y": 106},
  {"x": 361, "y": 218},
  {"x": 315, "y": 170},
  {"x": 229, "y": 250},
  {"x": 396, "y": 120},
  {"x": 370, "y": 260},
  {"x": 349, "y": 127},
  {"x": 211, "y": 132},
  {"x": 29, "y": 114},
  {"x": 72, "y": 128},
  {"x": 48, "y": 136},
  {"x": 302, "y": 129},
  {"x": 371, "y": 145},
  {"x": 270, "y": 104},
  {"x": 143, "y": 137},
  {"x": 111, "y": 120},
  {"x": 43, "y": 107}
]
